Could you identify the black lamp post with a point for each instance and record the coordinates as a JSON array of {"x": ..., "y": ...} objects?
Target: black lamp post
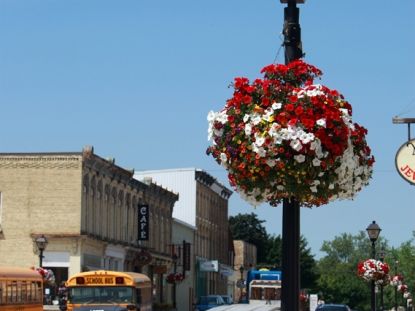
[
  {"x": 41, "y": 243},
  {"x": 174, "y": 284},
  {"x": 373, "y": 231},
  {"x": 241, "y": 270},
  {"x": 290, "y": 262},
  {"x": 382, "y": 258},
  {"x": 396, "y": 287}
]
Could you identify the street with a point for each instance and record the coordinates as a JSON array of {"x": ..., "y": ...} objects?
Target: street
[{"x": 246, "y": 307}]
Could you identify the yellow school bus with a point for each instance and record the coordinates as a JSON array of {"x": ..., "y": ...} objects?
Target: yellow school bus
[
  {"x": 109, "y": 290},
  {"x": 20, "y": 289}
]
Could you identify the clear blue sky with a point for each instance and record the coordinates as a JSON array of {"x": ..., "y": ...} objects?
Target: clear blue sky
[{"x": 136, "y": 80}]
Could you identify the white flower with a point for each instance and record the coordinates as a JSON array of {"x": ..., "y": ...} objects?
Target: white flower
[
  {"x": 331, "y": 186},
  {"x": 222, "y": 117},
  {"x": 316, "y": 162},
  {"x": 306, "y": 137},
  {"x": 296, "y": 145},
  {"x": 246, "y": 118},
  {"x": 315, "y": 145},
  {"x": 223, "y": 157},
  {"x": 280, "y": 187},
  {"x": 300, "y": 158},
  {"x": 211, "y": 116},
  {"x": 273, "y": 131},
  {"x": 259, "y": 140},
  {"x": 271, "y": 162},
  {"x": 276, "y": 105},
  {"x": 255, "y": 119},
  {"x": 248, "y": 129},
  {"x": 268, "y": 114},
  {"x": 316, "y": 182},
  {"x": 260, "y": 151},
  {"x": 321, "y": 122},
  {"x": 313, "y": 189}
]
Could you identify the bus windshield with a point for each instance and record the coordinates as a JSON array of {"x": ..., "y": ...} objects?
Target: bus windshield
[{"x": 101, "y": 294}]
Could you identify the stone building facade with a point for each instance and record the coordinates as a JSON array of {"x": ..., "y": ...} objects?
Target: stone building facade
[
  {"x": 203, "y": 203},
  {"x": 245, "y": 259},
  {"x": 88, "y": 209}
]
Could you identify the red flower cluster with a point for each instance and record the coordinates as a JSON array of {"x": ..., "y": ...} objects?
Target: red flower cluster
[
  {"x": 174, "y": 278},
  {"x": 281, "y": 137}
]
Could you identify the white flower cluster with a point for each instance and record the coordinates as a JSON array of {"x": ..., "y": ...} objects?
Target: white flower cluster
[{"x": 213, "y": 117}]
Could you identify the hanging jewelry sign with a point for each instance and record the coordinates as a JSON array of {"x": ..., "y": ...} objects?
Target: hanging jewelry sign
[
  {"x": 405, "y": 157},
  {"x": 405, "y": 161}
]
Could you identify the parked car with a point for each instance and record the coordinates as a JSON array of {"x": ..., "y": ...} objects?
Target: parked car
[
  {"x": 227, "y": 299},
  {"x": 333, "y": 307},
  {"x": 209, "y": 302}
]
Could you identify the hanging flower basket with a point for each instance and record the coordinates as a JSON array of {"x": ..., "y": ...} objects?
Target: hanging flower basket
[
  {"x": 396, "y": 280},
  {"x": 47, "y": 275},
  {"x": 283, "y": 136},
  {"x": 374, "y": 270},
  {"x": 174, "y": 278}
]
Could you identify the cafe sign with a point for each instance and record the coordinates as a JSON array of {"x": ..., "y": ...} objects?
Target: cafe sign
[{"x": 405, "y": 161}]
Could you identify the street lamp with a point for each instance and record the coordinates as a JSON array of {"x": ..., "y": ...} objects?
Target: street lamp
[
  {"x": 396, "y": 287},
  {"x": 241, "y": 270},
  {"x": 373, "y": 231},
  {"x": 41, "y": 243},
  {"x": 174, "y": 258},
  {"x": 382, "y": 258}
]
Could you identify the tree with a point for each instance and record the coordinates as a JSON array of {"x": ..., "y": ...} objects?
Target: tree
[
  {"x": 338, "y": 280},
  {"x": 249, "y": 228},
  {"x": 308, "y": 266}
]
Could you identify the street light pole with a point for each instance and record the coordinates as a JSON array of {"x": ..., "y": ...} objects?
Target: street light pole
[
  {"x": 290, "y": 291},
  {"x": 174, "y": 284},
  {"x": 382, "y": 258},
  {"x": 396, "y": 287},
  {"x": 241, "y": 270},
  {"x": 373, "y": 231}
]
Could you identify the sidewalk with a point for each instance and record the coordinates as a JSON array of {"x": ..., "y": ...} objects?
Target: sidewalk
[{"x": 50, "y": 307}]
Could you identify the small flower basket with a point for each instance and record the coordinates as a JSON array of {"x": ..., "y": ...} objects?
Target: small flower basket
[
  {"x": 374, "y": 270},
  {"x": 173, "y": 278},
  {"x": 48, "y": 276}
]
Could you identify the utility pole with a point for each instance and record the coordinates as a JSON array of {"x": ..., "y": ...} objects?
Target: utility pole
[{"x": 290, "y": 291}]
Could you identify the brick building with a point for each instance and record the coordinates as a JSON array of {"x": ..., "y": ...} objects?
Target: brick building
[{"x": 88, "y": 209}]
